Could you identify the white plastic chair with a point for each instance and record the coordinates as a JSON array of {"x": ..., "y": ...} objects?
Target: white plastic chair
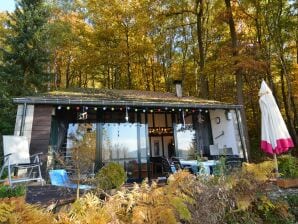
[{"x": 16, "y": 155}]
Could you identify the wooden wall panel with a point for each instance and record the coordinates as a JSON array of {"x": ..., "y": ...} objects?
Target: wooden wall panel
[{"x": 41, "y": 130}]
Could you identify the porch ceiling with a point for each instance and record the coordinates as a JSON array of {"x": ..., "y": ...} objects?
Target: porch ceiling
[{"x": 137, "y": 98}]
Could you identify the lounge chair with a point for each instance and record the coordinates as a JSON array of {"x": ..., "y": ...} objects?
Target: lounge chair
[
  {"x": 17, "y": 158},
  {"x": 60, "y": 178}
]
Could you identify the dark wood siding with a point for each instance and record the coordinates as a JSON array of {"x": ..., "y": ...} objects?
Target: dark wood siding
[{"x": 41, "y": 129}]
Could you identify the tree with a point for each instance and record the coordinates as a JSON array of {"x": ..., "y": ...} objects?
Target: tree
[{"x": 25, "y": 60}]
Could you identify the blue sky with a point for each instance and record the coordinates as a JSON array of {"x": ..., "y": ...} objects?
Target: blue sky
[{"x": 7, "y": 5}]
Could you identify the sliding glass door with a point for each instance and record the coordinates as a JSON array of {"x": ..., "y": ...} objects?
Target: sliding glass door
[{"x": 125, "y": 143}]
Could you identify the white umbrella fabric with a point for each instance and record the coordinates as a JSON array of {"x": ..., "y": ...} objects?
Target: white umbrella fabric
[{"x": 275, "y": 138}]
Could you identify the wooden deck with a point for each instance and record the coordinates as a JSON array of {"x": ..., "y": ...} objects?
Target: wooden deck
[{"x": 48, "y": 195}]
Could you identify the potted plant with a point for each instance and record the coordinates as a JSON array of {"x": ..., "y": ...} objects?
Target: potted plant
[{"x": 288, "y": 169}]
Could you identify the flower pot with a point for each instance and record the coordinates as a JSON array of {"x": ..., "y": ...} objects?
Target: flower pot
[{"x": 287, "y": 182}]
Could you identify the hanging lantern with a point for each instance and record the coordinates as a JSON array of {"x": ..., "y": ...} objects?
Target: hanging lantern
[
  {"x": 104, "y": 108},
  {"x": 151, "y": 111},
  {"x": 144, "y": 111},
  {"x": 112, "y": 109},
  {"x": 158, "y": 109},
  {"x": 59, "y": 107},
  {"x": 86, "y": 108},
  {"x": 173, "y": 109},
  {"x": 68, "y": 107},
  {"x": 120, "y": 108},
  {"x": 95, "y": 108},
  {"x": 136, "y": 110},
  {"x": 186, "y": 110},
  {"x": 206, "y": 111},
  {"x": 78, "y": 108}
]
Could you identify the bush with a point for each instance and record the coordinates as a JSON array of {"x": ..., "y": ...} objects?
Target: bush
[
  {"x": 8, "y": 192},
  {"x": 17, "y": 211},
  {"x": 110, "y": 176},
  {"x": 288, "y": 166}
]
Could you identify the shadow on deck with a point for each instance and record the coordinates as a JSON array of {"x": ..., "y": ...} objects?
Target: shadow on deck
[{"x": 48, "y": 195}]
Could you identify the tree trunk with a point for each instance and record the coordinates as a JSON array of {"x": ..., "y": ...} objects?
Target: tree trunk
[
  {"x": 129, "y": 81},
  {"x": 239, "y": 78},
  {"x": 204, "y": 88},
  {"x": 286, "y": 99},
  {"x": 67, "y": 72}
]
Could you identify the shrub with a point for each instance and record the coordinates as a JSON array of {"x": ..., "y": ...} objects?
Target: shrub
[
  {"x": 17, "y": 211},
  {"x": 110, "y": 176},
  {"x": 8, "y": 191},
  {"x": 288, "y": 166},
  {"x": 88, "y": 209},
  {"x": 151, "y": 203},
  {"x": 293, "y": 203}
]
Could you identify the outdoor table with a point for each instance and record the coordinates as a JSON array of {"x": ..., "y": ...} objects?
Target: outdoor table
[{"x": 202, "y": 167}]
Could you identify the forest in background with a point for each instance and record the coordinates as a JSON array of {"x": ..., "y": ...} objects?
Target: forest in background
[{"x": 220, "y": 49}]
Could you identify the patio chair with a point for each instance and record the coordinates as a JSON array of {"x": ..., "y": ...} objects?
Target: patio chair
[
  {"x": 60, "y": 178},
  {"x": 17, "y": 158}
]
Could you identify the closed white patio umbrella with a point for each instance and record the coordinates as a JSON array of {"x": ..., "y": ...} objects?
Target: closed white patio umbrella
[{"x": 275, "y": 138}]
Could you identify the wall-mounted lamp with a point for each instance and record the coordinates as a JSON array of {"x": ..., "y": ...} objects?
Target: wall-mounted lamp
[
  {"x": 228, "y": 115},
  {"x": 217, "y": 120},
  {"x": 126, "y": 114}
]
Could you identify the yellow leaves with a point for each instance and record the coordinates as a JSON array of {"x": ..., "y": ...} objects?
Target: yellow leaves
[
  {"x": 87, "y": 209},
  {"x": 261, "y": 171},
  {"x": 243, "y": 202},
  {"x": 15, "y": 210},
  {"x": 5, "y": 212}
]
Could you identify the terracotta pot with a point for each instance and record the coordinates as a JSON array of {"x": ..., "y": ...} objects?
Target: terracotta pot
[{"x": 287, "y": 182}]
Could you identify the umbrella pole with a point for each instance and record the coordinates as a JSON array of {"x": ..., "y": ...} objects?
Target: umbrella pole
[{"x": 276, "y": 165}]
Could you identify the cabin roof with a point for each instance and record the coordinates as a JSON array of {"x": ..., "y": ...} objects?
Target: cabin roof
[{"x": 101, "y": 97}]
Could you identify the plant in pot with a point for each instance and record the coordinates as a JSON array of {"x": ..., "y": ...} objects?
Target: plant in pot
[{"x": 288, "y": 169}]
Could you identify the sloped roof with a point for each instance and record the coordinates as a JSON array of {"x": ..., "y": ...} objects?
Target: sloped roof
[{"x": 98, "y": 97}]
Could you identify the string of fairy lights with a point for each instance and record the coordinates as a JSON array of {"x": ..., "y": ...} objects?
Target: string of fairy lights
[
  {"x": 83, "y": 114},
  {"x": 144, "y": 110}
]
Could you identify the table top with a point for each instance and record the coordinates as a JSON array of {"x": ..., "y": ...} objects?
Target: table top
[
  {"x": 196, "y": 162},
  {"x": 202, "y": 167}
]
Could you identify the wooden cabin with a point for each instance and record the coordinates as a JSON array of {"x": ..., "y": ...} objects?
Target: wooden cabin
[{"x": 129, "y": 127}]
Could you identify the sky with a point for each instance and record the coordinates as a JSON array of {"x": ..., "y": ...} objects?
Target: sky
[{"x": 7, "y": 5}]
